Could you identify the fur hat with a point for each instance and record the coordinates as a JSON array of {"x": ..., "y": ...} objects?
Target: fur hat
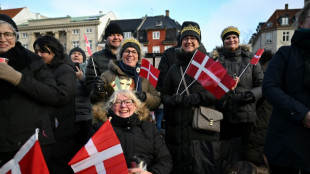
[
  {"x": 230, "y": 30},
  {"x": 113, "y": 28},
  {"x": 9, "y": 20},
  {"x": 190, "y": 28},
  {"x": 131, "y": 42},
  {"x": 79, "y": 50}
]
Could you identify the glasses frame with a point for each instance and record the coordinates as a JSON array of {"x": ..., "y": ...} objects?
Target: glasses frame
[
  {"x": 134, "y": 52},
  {"x": 8, "y": 35},
  {"x": 117, "y": 103}
]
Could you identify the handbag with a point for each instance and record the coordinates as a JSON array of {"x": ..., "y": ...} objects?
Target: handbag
[{"x": 205, "y": 118}]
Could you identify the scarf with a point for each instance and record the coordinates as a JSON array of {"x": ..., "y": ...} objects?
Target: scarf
[
  {"x": 118, "y": 121},
  {"x": 132, "y": 73}
]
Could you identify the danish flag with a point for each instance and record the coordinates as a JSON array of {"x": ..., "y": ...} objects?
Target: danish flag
[
  {"x": 29, "y": 159},
  {"x": 257, "y": 56},
  {"x": 88, "y": 45},
  {"x": 149, "y": 72},
  {"x": 210, "y": 74},
  {"x": 101, "y": 154}
]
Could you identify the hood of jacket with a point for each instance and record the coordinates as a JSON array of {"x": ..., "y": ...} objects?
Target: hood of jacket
[{"x": 245, "y": 49}]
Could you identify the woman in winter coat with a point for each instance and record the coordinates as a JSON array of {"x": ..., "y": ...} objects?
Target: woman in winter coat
[
  {"x": 124, "y": 74},
  {"x": 238, "y": 106},
  {"x": 139, "y": 137},
  {"x": 63, "y": 115},
  {"x": 286, "y": 86},
  {"x": 180, "y": 136},
  {"x": 26, "y": 89}
]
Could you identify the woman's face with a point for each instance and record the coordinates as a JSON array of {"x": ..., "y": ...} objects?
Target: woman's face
[
  {"x": 7, "y": 38},
  {"x": 306, "y": 23},
  {"x": 130, "y": 57},
  {"x": 189, "y": 43},
  {"x": 77, "y": 57},
  {"x": 123, "y": 106},
  {"x": 47, "y": 57},
  {"x": 231, "y": 42}
]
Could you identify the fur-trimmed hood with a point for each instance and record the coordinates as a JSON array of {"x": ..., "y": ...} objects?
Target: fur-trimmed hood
[
  {"x": 219, "y": 50},
  {"x": 101, "y": 115}
]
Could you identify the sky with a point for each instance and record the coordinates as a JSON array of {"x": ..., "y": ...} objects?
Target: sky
[{"x": 212, "y": 15}]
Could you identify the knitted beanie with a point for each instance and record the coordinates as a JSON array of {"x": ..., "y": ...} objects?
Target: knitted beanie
[
  {"x": 79, "y": 50},
  {"x": 230, "y": 30},
  {"x": 113, "y": 28},
  {"x": 190, "y": 28},
  {"x": 131, "y": 42},
  {"x": 9, "y": 20}
]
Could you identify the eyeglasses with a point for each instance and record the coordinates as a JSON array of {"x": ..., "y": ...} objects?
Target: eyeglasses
[
  {"x": 134, "y": 52},
  {"x": 8, "y": 35},
  {"x": 128, "y": 102},
  {"x": 186, "y": 39}
]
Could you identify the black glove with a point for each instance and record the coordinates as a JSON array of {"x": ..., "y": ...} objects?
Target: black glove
[
  {"x": 98, "y": 85},
  {"x": 174, "y": 100},
  {"x": 191, "y": 100},
  {"x": 141, "y": 95},
  {"x": 247, "y": 97}
]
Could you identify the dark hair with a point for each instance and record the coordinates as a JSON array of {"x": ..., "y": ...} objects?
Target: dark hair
[
  {"x": 303, "y": 14},
  {"x": 55, "y": 46}
]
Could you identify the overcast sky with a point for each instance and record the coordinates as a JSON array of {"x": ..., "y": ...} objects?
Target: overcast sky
[{"x": 212, "y": 16}]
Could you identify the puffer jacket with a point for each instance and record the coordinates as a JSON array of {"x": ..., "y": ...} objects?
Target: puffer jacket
[
  {"x": 138, "y": 137},
  {"x": 101, "y": 60},
  {"x": 251, "y": 80},
  {"x": 152, "y": 96}
]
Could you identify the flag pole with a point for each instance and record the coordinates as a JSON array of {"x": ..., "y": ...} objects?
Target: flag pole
[
  {"x": 188, "y": 87},
  {"x": 244, "y": 70},
  {"x": 185, "y": 71}
]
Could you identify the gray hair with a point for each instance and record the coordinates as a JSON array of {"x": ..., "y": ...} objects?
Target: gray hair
[{"x": 12, "y": 28}]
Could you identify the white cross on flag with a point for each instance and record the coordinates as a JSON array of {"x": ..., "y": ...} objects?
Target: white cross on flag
[
  {"x": 257, "y": 56},
  {"x": 149, "y": 72},
  {"x": 102, "y": 154},
  {"x": 210, "y": 74},
  {"x": 87, "y": 45},
  {"x": 29, "y": 159}
]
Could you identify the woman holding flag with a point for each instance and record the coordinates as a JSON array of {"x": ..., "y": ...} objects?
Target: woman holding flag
[
  {"x": 123, "y": 73},
  {"x": 238, "y": 106},
  {"x": 182, "y": 140}
]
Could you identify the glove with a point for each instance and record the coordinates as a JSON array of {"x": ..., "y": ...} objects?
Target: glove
[
  {"x": 174, "y": 100},
  {"x": 191, "y": 100},
  {"x": 247, "y": 97},
  {"x": 141, "y": 95},
  {"x": 99, "y": 85},
  {"x": 9, "y": 74}
]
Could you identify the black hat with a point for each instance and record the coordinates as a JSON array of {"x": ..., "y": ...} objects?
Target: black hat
[
  {"x": 131, "y": 42},
  {"x": 111, "y": 29},
  {"x": 79, "y": 50},
  {"x": 190, "y": 28},
  {"x": 9, "y": 20}
]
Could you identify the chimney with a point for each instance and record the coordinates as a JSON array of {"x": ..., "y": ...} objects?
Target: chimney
[
  {"x": 167, "y": 13},
  {"x": 286, "y": 6}
]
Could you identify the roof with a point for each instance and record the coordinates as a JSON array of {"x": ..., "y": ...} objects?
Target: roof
[
  {"x": 274, "y": 22},
  {"x": 11, "y": 12},
  {"x": 85, "y": 18},
  {"x": 128, "y": 24},
  {"x": 160, "y": 22}
]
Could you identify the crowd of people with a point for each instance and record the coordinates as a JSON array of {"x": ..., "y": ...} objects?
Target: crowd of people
[{"x": 266, "y": 114}]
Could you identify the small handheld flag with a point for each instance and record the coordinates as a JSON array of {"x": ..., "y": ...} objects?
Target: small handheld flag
[
  {"x": 149, "y": 72},
  {"x": 257, "y": 56},
  {"x": 87, "y": 45}
]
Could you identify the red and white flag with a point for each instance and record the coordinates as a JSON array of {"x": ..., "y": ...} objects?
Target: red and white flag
[
  {"x": 257, "y": 56},
  {"x": 29, "y": 159},
  {"x": 87, "y": 45},
  {"x": 210, "y": 74},
  {"x": 149, "y": 72},
  {"x": 101, "y": 154}
]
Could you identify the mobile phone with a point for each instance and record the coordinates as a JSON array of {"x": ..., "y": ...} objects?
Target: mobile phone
[{"x": 76, "y": 65}]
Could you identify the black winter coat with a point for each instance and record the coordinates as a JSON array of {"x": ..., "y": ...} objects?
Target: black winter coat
[
  {"x": 286, "y": 87},
  {"x": 251, "y": 80},
  {"x": 141, "y": 139},
  {"x": 101, "y": 60},
  {"x": 179, "y": 132}
]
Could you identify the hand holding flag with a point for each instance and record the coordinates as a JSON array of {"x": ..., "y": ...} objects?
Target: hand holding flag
[{"x": 149, "y": 72}]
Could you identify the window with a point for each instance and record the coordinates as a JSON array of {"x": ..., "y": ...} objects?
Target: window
[
  {"x": 156, "y": 49},
  {"x": 24, "y": 35},
  {"x": 25, "y": 46},
  {"x": 89, "y": 30},
  {"x": 168, "y": 46},
  {"x": 269, "y": 37},
  {"x": 76, "y": 31},
  {"x": 90, "y": 44},
  {"x": 127, "y": 35},
  {"x": 284, "y": 21},
  {"x": 286, "y": 36},
  {"x": 75, "y": 44},
  {"x": 145, "y": 50},
  {"x": 65, "y": 46},
  {"x": 156, "y": 35}
]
